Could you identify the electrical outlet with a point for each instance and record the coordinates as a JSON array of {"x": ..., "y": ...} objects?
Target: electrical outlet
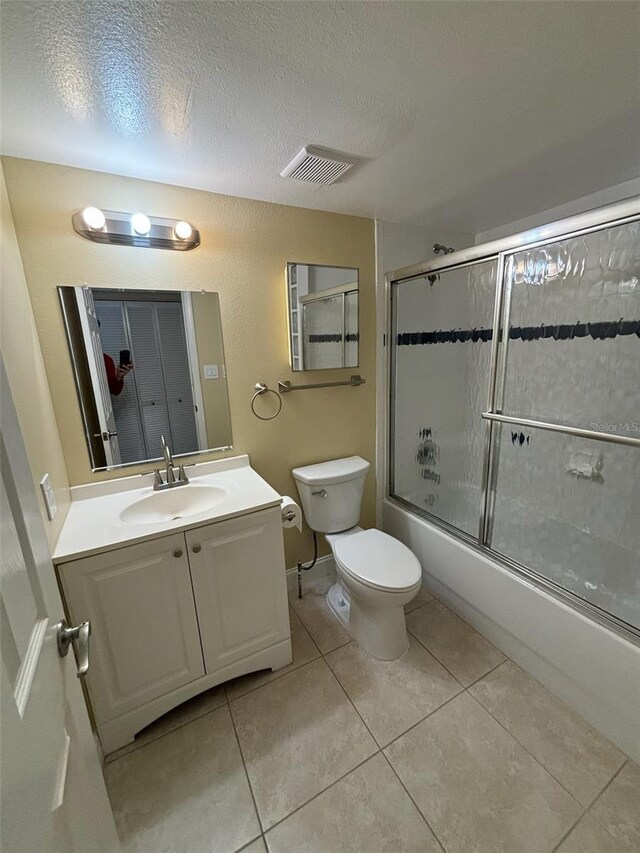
[{"x": 49, "y": 497}]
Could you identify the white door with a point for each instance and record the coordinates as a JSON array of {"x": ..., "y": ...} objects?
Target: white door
[
  {"x": 52, "y": 792},
  {"x": 239, "y": 580},
  {"x": 97, "y": 370}
]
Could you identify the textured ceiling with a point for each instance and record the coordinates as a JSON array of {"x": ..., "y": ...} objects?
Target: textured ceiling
[{"x": 467, "y": 115}]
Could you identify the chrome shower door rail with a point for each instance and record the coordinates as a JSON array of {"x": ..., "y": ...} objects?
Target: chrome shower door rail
[{"x": 611, "y": 437}]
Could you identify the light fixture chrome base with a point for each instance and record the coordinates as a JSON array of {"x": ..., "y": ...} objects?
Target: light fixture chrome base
[{"x": 118, "y": 231}]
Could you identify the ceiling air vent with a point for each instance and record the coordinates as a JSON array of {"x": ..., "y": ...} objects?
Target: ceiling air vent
[{"x": 318, "y": 165}]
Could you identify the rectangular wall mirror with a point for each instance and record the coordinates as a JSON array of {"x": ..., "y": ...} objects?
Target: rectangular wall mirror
[
  {"x": 147, "y": 363},
  {"x": 323, "y": 316}
]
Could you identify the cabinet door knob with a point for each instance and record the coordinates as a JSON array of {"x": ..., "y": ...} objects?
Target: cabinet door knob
[
  {"x": 177, "y": 552},
  {"x": 196, "y": 549}
]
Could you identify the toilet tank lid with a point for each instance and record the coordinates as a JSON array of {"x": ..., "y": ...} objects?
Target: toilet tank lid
[{"x": 334, "y": 471}]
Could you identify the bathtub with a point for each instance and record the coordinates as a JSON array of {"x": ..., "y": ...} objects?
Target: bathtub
[{"x": 593, "y": 669}]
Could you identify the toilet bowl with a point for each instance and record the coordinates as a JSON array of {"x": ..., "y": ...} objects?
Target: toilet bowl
[{"x": 376, "y": 574}]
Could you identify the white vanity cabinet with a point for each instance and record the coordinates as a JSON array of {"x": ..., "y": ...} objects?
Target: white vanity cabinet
[{"x": 175, "y": 615}]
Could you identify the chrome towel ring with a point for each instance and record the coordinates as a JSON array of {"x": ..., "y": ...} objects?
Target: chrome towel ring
[{"x": 262, "y": 388}]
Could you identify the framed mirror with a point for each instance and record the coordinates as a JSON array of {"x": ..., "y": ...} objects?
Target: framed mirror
[
  {"x": 323, "y": 316},
  {"x": 147, "y": 363}
]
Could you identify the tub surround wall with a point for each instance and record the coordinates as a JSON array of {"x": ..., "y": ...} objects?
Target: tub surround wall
[
  {"x": 245, "y": 247},
  {"x": 28, "y": 378}
]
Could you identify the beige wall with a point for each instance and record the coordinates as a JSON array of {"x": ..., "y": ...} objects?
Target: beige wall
[
  {"x": 26, "y": 374},
  {"x": 209, "y": 343},
  {"x": 245, "y": 247}
]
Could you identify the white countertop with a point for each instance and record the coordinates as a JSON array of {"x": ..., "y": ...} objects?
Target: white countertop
[{"x": 93, "y": 523}]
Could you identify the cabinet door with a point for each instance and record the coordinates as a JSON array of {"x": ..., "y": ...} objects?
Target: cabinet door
[
  {"x": 238, "y": 573},
  {"x": 145, "y": 639}
]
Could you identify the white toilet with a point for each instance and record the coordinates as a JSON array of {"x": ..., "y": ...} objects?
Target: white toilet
[{"x": 377, "y": 574}]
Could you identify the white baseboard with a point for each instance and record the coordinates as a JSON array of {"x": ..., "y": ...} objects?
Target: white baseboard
[{"x": 324, "y": 567}]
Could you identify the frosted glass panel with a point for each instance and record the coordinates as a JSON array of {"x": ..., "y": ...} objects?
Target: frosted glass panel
[
  {"x": 574, "y": 343},
  {"x": 568, "y": 508},
  {"x": 442, "y": 346}
]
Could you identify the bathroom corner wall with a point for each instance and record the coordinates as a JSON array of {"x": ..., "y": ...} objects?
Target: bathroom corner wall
[
  {"x": 245, "y": 247},
  {"x": 27, "y": 377}
]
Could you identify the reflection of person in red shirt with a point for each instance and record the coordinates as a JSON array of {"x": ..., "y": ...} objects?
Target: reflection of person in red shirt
[{"x": 115, "y": 374}]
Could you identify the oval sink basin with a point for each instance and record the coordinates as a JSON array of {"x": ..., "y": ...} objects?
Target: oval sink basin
[{"x": 173, "y": 504}]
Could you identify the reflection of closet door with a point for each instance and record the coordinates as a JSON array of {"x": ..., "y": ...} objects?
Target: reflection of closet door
[
  {"x": 177, "y": 377},
  {"x": 147, "y": 363}
]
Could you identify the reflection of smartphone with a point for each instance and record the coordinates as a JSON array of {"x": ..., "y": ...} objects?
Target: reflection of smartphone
[{"x": 125, "y": 358}]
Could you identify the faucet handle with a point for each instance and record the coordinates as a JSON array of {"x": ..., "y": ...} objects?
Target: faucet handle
[
  {"x": 157, "y": 478},
  {"x": 182, "y": 476}
]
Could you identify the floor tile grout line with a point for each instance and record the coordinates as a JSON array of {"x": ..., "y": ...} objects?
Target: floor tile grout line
[
  {"x": 434, "y": 655},
  {"x": 350, "y": 700},
  {"x": 420, "y": 812},
  {"x": 528, "y": 751},
  {"x": 249, "y": 843},
  {"x": 323, "y": 791},
  {"x": 588, "y": 809},
  {"x": 430, "y": 714},
  {"x": 273, "y": 680},
  {"x": 493, "y": 669},
  {"x": 246, "y": 772},
  {"x": 412, "y": 726},
  {"x": 277, "y": 673},
  {"x": 109, "y": 760}
]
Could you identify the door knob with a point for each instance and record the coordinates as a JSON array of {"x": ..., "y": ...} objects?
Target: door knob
[
  {"x": 79, "y": 636},
  {"x": 177, "y": 552},
  {"x": 196, "y": 549}
]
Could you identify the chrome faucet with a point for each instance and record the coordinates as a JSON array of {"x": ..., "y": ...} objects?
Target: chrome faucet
[{"x": 170, "y": 482}]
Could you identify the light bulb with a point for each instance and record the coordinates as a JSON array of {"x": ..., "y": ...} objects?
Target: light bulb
[
  {"x": 183, "y": 230},
  {"x": 141, "y": 224},
  {"x": 94, "y": 218}
]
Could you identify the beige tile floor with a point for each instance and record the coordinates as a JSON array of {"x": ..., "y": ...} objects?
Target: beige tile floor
[{"x": 451, "y": 748}]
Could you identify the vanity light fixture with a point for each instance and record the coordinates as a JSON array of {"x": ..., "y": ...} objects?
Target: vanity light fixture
[
  {"x": 126, "y": 229},
  {"x": 141, "y": 224},
  {"x": 94, "y": 218},
  {"x": 183, "y": 230}
]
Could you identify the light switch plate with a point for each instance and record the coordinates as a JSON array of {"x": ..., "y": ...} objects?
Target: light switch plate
[
  {"x": 49, "y": 497},
  {"x": 211, "y": 371}
]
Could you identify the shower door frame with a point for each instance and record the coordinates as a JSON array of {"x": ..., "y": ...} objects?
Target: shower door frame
[{"x": 500, "y": 250}]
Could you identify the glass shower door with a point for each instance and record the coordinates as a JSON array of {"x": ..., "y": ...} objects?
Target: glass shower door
[
  {"x": 441, "y": 346},
  {"x": 568, "y": 507}
]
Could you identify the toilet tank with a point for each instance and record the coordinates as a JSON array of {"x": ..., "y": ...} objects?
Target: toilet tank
[{"x": 331, "y": 493}]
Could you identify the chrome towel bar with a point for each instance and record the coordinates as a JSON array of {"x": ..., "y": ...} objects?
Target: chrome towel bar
[{"x": 285, "y": 386}]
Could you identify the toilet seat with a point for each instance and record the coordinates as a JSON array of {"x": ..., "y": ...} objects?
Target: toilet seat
[{"x": 378, "y": 561}]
